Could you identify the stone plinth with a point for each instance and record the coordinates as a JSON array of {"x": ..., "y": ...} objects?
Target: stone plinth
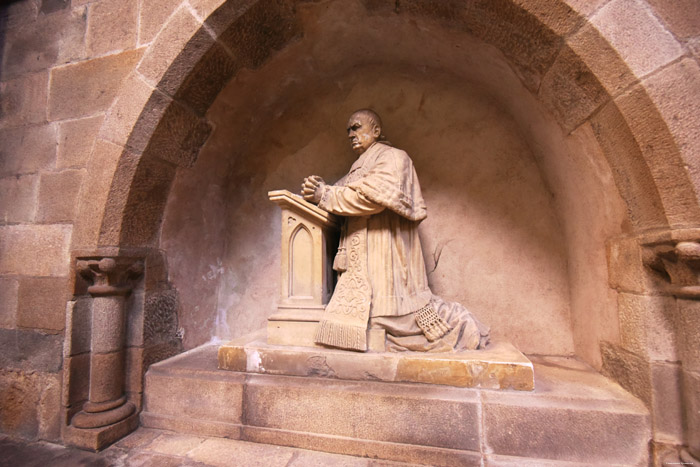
[
  {"x": 499, "y": 366},
  {"x": 308, "y": 244},
  {"x": 573, "y": 417}
]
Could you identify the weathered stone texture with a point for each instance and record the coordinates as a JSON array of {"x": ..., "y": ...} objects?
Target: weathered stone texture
[
  {"x": 631, "y": 371},
  {"x": 632, "y": 176},
  {"x": 113, "y": 26},
  {"x": 42, "y": 302},
  {"x": 24, "y": 100},
  {"x": 29, "y": 350},
  {"x": 135, "y": 114},
  {"x": 204, "y": 8},
  {"x": 263, "y": 28},
  {"x": 681, "y": 16},
  {"x": 76, "y": 139},
  {"x": 38, "y": 45},
  {"x": 179, "y": 136},
  {"x": 58, "y": 195},
  {"x": 173, "y": 45},
  {"x": 160, "y": 317},
  {"x": 78, "y": 326},
  {"x": 601, "y": 58},
  {"x": 51, "y": 6},
  {"x": 571, "y": 91},
  {"x": 203, "y": 83},
  {"x": 153, "y": 15},
  {"x": 35, "y": 250},
  {"x": 18, "y": 200},
  {"x": 667, "y": 405},
  {"x": 687, "y": 334},
  {"x": 570, "y": 435},
  {"x": 530, "y": 47},
  {"x": 101, "y": 169},
  {"x": 76, "y": 380},
  {"x": 646, "y": 325},
  {"x": 194, "y": 72},
  {"x": 86, "y": 88},
  {"x": 29, "y": 404},
  {"x": 674, "y": 92},
  {"x": 637, "y": 35},
  {"x": 8, "y": 303},
  {"x": 14, "y": 13},
  {"x": 27, "y": 150}
]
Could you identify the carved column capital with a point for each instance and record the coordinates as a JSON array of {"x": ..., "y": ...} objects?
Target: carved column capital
[
  {"x": 109, "y": 275},
  {"x": 676, "y": 264}
]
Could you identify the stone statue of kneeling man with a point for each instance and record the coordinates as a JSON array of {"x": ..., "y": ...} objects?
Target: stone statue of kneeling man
[{"x": 382, "y": 278}]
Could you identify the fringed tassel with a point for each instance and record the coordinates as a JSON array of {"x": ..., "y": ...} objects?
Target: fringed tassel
[{"x": 341, "y": 335}]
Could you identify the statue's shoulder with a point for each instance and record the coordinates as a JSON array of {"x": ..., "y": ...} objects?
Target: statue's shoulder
[{"x": 398, "y": 155}]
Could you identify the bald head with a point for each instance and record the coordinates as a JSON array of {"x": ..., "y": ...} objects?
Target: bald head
[{"x": 364, "y": 129}]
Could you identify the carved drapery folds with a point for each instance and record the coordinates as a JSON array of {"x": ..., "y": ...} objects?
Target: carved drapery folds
[{"x": 112, "y": 279}]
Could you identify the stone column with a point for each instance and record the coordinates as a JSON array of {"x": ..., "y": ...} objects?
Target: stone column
[
  {"x": 676, "y": 260},
  {"x": 111, "y": 278}
]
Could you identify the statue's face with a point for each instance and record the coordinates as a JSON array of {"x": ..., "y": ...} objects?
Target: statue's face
[{"x": 362, "y": 132}]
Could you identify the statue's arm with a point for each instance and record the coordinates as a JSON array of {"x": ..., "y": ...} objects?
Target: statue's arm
[{"x": 345, "y": 201}]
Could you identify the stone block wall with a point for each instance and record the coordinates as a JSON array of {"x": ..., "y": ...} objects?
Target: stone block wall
[
  {"x": 63, "y": 63},
  {"x": 75, "y": 76}
]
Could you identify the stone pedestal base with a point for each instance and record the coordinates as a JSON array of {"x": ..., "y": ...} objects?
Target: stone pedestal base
[
  {"x": 297, "y": 328},
  {"x": 574, "y": 416},
  {"x": 96, "y": 439},
  {"x": 499, "y": 366}
]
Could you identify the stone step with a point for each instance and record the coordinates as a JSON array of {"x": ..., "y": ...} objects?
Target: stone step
[{"x": 573, "y": 417}]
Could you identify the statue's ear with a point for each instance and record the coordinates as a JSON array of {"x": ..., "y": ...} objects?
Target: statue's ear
[{"x": 376, "y": 131}]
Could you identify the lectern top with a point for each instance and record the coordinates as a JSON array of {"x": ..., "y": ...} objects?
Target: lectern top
[{"x": 287, "y": 199}]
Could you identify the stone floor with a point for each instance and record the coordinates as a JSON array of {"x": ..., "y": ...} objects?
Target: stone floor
[{"x": 156, "y": 448}]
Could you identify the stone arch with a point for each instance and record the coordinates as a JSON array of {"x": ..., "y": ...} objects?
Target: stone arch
[
  {"x": 564, "y": 57},
  {"x": 157, "y": 122}
]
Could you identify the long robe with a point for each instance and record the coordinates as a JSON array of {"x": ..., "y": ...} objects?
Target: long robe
[{"x": 380, "y": 260}]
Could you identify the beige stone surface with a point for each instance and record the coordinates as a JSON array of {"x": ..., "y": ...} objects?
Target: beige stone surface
[
  {"x": 35, "y": 250},
  {"x": 48, "y": 41},
  {"x": 152, "y": 16},
  {"x": 101, "y": 168},
  {"x": 671, "y": 90},
  {"x": 29, "y": 404},
  {"x": 218, "y": 452},
  {"x": 633, "y": 30},
  {"x": 662, "y": 156},
  {"x": 600, "y": 56},
  {"x": 42, "y": 302},
  {"x": 113, "y": 26},
  {"x": 86, "y": 88},
  {"x": 18, "y": 203},
  {"x": 134, "y": 116},
  {"x": 668, "y": 405},
  {"x": 58, "y": 195},
  {"x": 175, "y": 444},
  {"x": 572, "y": 101},
  {"x": 569, "y": 398},
  {"x": 646, "y": 325},
  {"x": 27, "y": 150},
  {"x": 688, "y": 328},
  {"x": 177, "y": 42},
  {"x": 76, "y": 140},
  {"x": 8, "y": 305},
  {"x": 681, "y": 17},
  {"x": 500, "y": 366},
  {"x": 24, "y": 100}
]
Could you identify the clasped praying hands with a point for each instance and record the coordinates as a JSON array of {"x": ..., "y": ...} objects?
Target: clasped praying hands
[{"x": 312, "y": 188}]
